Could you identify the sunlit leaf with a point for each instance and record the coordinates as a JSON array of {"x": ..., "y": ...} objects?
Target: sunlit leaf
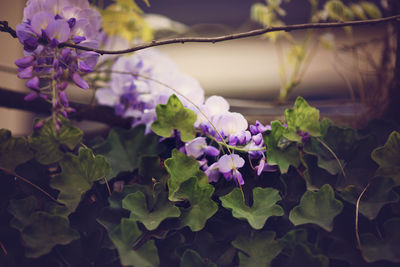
[
  {"x": 202, "y": 207},
  {"x": 50, "y": 145},
  {"x": 78, "y": 175},
  {"x": 281, "y": 156},
  {"x": 371, "y": 9},
  {"x": 124, "y": 148},
  {"x": 181, "y": 168},
  {"x": 191, "y": 258},
  {"x": 260, "y": 248},
  {"x": 151, "y": 218},
  {"x": 125, "y": 236},
  {"x": 388, "y": 158},
  {"x": 303, "y": 118},
  {"x": 319, "y": 208},
  {"x": 264, "y": 206},
  {"x": 13, "y": 150},
  {"x": 174, "y": 115},
  {"x": 385, "y": 248}
]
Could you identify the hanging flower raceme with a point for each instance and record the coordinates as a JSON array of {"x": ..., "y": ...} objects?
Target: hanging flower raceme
[{"x": 46, "y": 24}]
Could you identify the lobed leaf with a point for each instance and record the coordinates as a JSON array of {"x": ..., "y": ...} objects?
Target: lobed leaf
[
  {"x": 191, "y": 258},
  {"x": 264, "y": 206},
  {"x": 13, "y": 150}
]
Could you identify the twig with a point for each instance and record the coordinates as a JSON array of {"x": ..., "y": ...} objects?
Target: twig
[
  {"x": 5, "y": 28},
  {"x": 31, "y": 184},
  {"x": 333, "y": 154},
  {"x": 108, "y": 186},
  {"x": 237, "y": 35},
  {"x": 356, "y": 220},
  {"x": 3, "y": 248}
]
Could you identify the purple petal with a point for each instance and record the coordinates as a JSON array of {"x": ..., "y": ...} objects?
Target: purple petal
[
  {"x": 228, "y": 162},
  {"x": 258, "y": 139},
  {"x": 38, "y": 125},
  {"x": 40, "y": 21},
  {"x": 33, "y": 83},
  {"x": 31, "y": 96},
  {"x": 59, "y": 30},
  {"x": 211, "y": 151},
  {"x": 63, "y": 98},
  {"x": 77, "y": 39},
  {"x": 26, "y": 73},
  {"x": 89, "y": 58},
  {"x": 237, "y": 177},
  {"x": 195, "y": 147},
  {"x": 24, "y": 61},
  {"x": 212, "y": 173},
  {"x": 79, "y": 81}
]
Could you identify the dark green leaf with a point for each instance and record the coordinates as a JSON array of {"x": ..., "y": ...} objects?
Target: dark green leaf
[
  {"x": 48, "y": 142},
  {"x": 318, "y": 207},
  {"x": 202, "y": 207},
  {"x": 315, "y": 176},
  {"x": 388, "y": 158},
  {"x": 378, "y": 194},
  {"x": 386, "y": 248},
  {"x": 125, "y": 236},
  {"x": 172, "y": 116},
  {"x": 124, "y": 148},
  {"x": 78, "y": 175},
  {"x": 264, "y": 206},
  {"x": 303, "y": 256},
  {"x": 303, "y": 118},
  {"x": 281, "y": 156},
  {"x": 181, "y": 168},
  {"x": 22, "y": 209},
  {"x": 13, "y": 150},
  {"x": 260, "y": 248},
  {"x": 190, "y": 258},
  {"x": 136, "y": 203}
]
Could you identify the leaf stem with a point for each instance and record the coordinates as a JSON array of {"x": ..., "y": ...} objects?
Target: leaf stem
[
  {"x": 333, "y": 154},
  {"x": 356, "y": 220},
  {"x": 31, "y": 184},
  {"x": 3, "y": 248}
]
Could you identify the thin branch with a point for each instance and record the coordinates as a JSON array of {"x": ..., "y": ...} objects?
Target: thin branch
[
  {"x": 237, "y": 35},
  {"x": 5, "y": 28},
  {"x": 356, "y": 220},
  {"x": 3, "y": 248},
  {"x": 31, "y": 184},
  {"x": 333, "y": 154}
]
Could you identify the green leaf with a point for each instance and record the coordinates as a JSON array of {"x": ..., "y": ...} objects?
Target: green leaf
[
  {"x": 125, "y": 236},
  {"x": 318, "y": 207},
  {"x": 277, "y": 155},
  {"x": 13, "y": 150},
  {"x": 303, "y": 118},
  {"x": 303, "y": 256},
  {"x": 191, "y": 258},
  {"x": 124, "y": 148},
  {"x": 181, "y": 168},
  {"x": 136, "y": 203},
  {"x": 78, "y": 175},
  {"x": 45, "y": 231},
  {"x": 172, "y": 116},
  {"x": 260, "y": 248},
  {"x": 371, "y": 10},
  {"x": 48, "y": 142},
  {"x": 315, "y": 176},
  {"x": 335, "y": 9},
  {"x": 388, "y": 158},
  {"x": 21, "y": 209},
  {"x": 202, "y": 207},
  {"x": 340, "y": 140},
  {"x": 386, "y": 248},
  {"x": 378, "y": 194},
  {"x": 264, "y": 206}
]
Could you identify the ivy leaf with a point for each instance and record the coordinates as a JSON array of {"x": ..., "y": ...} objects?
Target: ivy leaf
[
  {"x": 78, "y": 175},
  {"x": 303, "y": 256},
  {"x": 172, "y": 116},
  {"x": 13, "y": 150},
  {"x": 46, "y": 231},
  {"x": 303, "y": 118},
  {"x": 260, "y": 248},
  {"x": 191, "y": 258},
  {"x": 378, "y": 194},
  {"x": 48, "y": 142},
  {"x": 315, "y": 176},
  {"x": 318, "y": 207},
  {"x": 21, "y": 209},
  {"x": 124, "y": 148},
  {"x": 388, "y": 158},
  {"x": 125, "y": 236},
  {"x": 181, "y": 168},
  {"x": 201, "y": 205},
  {"x": 340, "y": 140},
  {"x": 137, "y": 205},
  {"x": 386, "y": 248},
  {"x": 263, "y": 207},
  {"x": 277, "y": 155}
]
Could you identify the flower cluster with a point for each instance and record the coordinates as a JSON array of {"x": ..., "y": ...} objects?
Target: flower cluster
[
  {"x": 147, "y": 78},
  {"x": 46, "y": 24}
]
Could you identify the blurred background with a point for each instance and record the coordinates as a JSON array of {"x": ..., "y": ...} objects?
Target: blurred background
[{"x": 248, "y": 72}]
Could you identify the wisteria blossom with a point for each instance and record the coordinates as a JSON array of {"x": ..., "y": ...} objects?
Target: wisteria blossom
[{"x": 46, "y": 24}]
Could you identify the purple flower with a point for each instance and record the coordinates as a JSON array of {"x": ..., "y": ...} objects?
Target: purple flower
[
  {"x": 33, "y": 83},
  {"x": 264, "y": 167},
  {"x": 78, "y": 80},
  {"x": 26, "y": 73},
  {"x": 212, "y": 172},
  {"x": 228, "y": 165},
  {"x": 87, "y": 61},
  {"x": 24, "y": 61},
  {"x": 258, "y": 139},
  {"x": 198, "y": 147}
]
